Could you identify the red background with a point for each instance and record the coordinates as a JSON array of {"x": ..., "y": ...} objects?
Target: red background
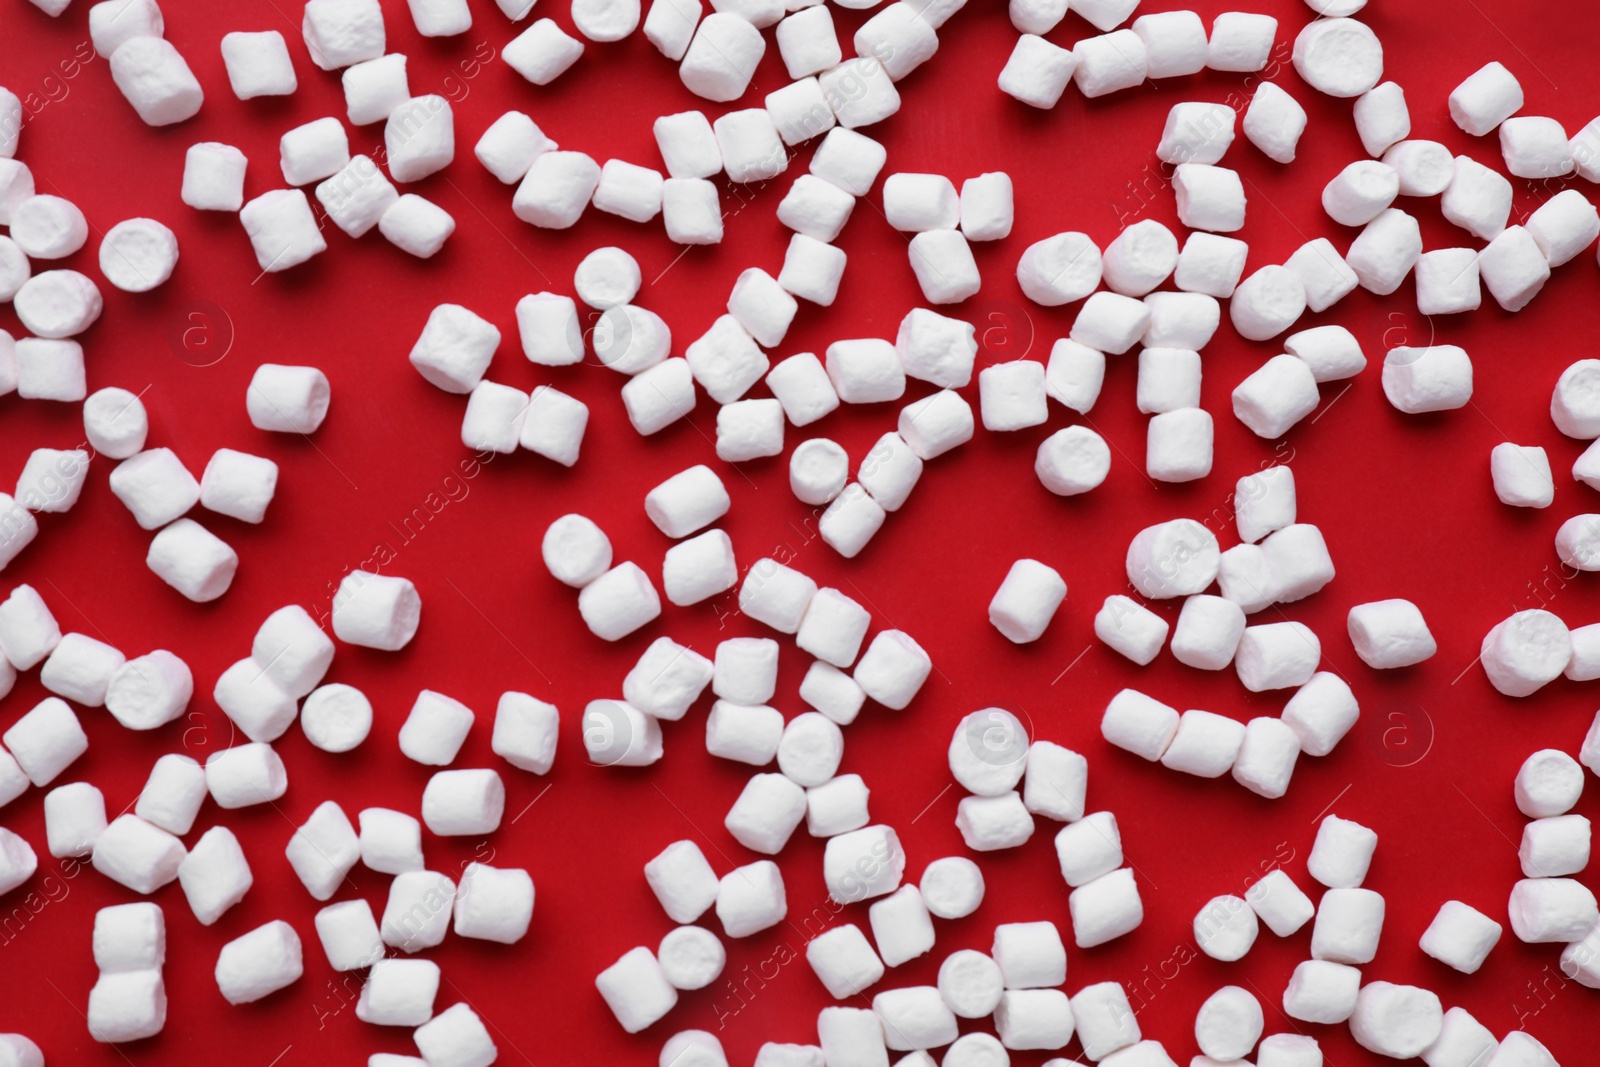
[{"x": 1405, "y": 503}]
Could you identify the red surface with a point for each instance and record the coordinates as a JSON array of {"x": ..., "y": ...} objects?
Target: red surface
[{"x": 1405, "y": 504}]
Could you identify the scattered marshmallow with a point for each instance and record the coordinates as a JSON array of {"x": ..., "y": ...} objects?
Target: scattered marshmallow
[
  {"x": 1525, "y": 651},
  {"x": 283, "y": 399},
  {"x": 1488, "y": 97},
  {"x": 379, "y": 611},
  {"x": 1460, "y": 936},
  {"x": 1390, "y": 633},
  {"x": 1434, "y": 378}
]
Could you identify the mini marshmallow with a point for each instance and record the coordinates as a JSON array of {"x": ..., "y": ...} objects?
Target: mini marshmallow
[
  {"x": 1110, "y": 62},
  {"x": 74, "y": 818},
  {"x": 658, "y": 397},
  {"x": 1548, "y": 783},
  {"x": 1026, "y": 601},
  {"x": 1110, "y": 322},
  {"x": 1578, "y": 961},
  {"x": 691, "y": 957},
  {"x": 127, "y": 1006},
  {"x": 341, "y": 32},
  {"x": 373, "y": 88},
  {"x": 136, "y": 854},
  {"x": 775, "y": 595},
  {"x": 1076, "y": 373},
  {"x": 1581, "y": 668},
  {"x": 282, "y": 229},
  {"x": 1240, "y": 41},
  {"x": 837, "y": 805},
  {"x": 682, "y": 881},
  {"x": 418, "y": 910},
  {"x": 1209, "y": 198},
  {"x": 915, "y": 1018},
  {"x": 851, "y": 520},
  {"x": 1012, "y": 395},
  {"x": 391, "y": 842},
  {"x": 808, "y": 42},
  {"x": 462, "y": 803},
  {"x": 18, "y": 862},
  {"x": 1460, "y": 936},
  {"x": 1060, "y": 269},
  {"x": 725, "y": 359},
  {"x": 1176, "y": 558},
  {"x": 1279, "y": 903},
  {"x": 860, "y": 91},
  {"x": 1245, "y": 577},
  {"x": 1178, "y": 446},
  {"x": 238, "y": 485},
  {"x": 1338, "y": 56},
  {"x": 1525, "y": 651},
  {"x": 803, "y": 388},
  {"x": 749, "y": 429},
  {"x": 699, "y": 568},
  {"x": 53, "y": 305},
  {"x": 1204, "y": 745},
  {"x": 1210, "y": 264},
  {"x": 1321, "y": 991},
  {"x": 1142, "y": 256},
  {"x": 1564, "y": 226},
  {"x": 1072, "y": 461},
  {"x": 244, "y": 775},
  {"x": 1195, "y": 133},
  {"x": 376, "y": 611},
  {"x": 137, "y": 255},
  {"x": 812, "y": 269},
  {"x": 1278, "y": 655},
  {"x": 943, "y": 263},
  {"x": 1360, "y": 192},
  {"x": 832, "y": 692},
  {"x": 766, "y": 813},
  {"x": 669, "y": 25},
  {"x": 1478, "y": 199},
  {"x": 1085, "y": 849},
  {"x": 456, "y": 1037},
  {"x": 495, "y": 417},
  {"x": 862, "y": 864},
  {"x": 722, "y": 57},
  {"x": 815, "y": 207},
  {"x": 556, "y": 189},
  {"x": 1447, "y": 281},
  {"x": 1323, "y": 272},
  {"x": 1547, "y": 910},
  {"x": 988, "y": 752},
  {"x": 283, "y": 399},
  {"x": 130, "y": 937},
  {"x": 493, "y": 903},
  {"x": 799, "y": 111},
  {"x": 549, "y": 329},
  {"x": 918, "y": 202},
  {"x": 1208, "y": 630},
  {"x": 1175, "y": 43},
  {"x": 554, "y": 425},
  {"x": 149, "y": 691},
  {"x": 324, "y": 849},
  {"x": 935, "y": 424},
  {"x": 1034, "y": 1018},
  {"x": 542, "y": 52},
  {"x": 1513, "y": 268},
  {"x": 1348, "y": 924},
  {"x": 1575, "y": 402},
  {"x": 435, "y": 729},
  {"x": 1274, "y": 122},
  {"x": 419, "y": 136},
  {"x": 1520, "y": 1048},
  {"x": 28, "y": 631},
  {"x": 1420, "y": 380},
  {"x": 844, "y": 961},
  {"x": 893, "y": 669},
  {"x": 1229, "y": 1023},
  {"x": 349, "y": 935},
  {"x": 1297, "y": 557},
  {"x": 751, "y": 898},
  {"x": 745, "y": 733},
  {"x": 155, "y": 486},
  {"x": 1267, "y": 756},
  {"x": 762, "y": 307},
  {"x": 1181, "y": 320},
  {"x": 1267, "y": 303},
  {"x": 628, "y": 190},
  {"x": 259, "y": 963},
  {"x": 1390, "y": 633},
  {"x": 851, "y": 1036},
  {"x": 173, "y": 793},
  {"x": 1485, "y": 99},
  {"x": 1264, "y": 502},
  {"x": 336, "y": 718},
  {"x": 154, "y": 78},
  {"x": 117, "y": 21},
  {"x": 314, "y": 151},
  {"x": 1130, "y": 628},
  {"x": 989, "y": 823},
  {"x": 507, "y": 148},
  {"x": 1396, "y": 1020},
  {"x": 688, "y": 145},
  {"x": 901, "y": 926},
  {"x": 1425, "y": 168},
  {"x": 357, "y": 196},
  {"x": 46, "y": 741},
  {"x": 115, "y": 423},
  {"x": 970, "y": 983},
  {"x": 1105, "y": 909},
  {"x": 1341, "y": 853}
]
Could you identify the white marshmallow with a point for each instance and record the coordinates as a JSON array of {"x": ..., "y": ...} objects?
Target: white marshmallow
[
  {"x": 313, "y": 151},
  {"x": 1360, "y": 192},
  {"x": 1279, "y": 655},
  {"x": 746, "y": 669},
  {"x": 901, "y": 926},
  {"x": 1240, "y": 41},
  {"x": 127, "y": 1006},
  {"x": 1545, "y": 910},
  {"x": 1034, "y": 1019},
  {"x": 456, "y": 1037},
  {"x": 1175, "y": 558},
  {"x": 1026, "y": 601},
  {"x": 628, "y": 190},
  {"x": 554, "y": 425},
  {"x": 1178, "y": 446},
  {"x": 1382, "y": 118},
  {"x": 341, "y": 32},
  {"x": 1279, "y": 903},
  {"x": 417, "y": 913},
  {"x": 658, "y": 397},
  {"x": 682, "y": 881},
  {"x": 1575, "y": 401},
  {"x": 1267, "y": 303},
  {"x": 1175, "y": 43},
  {"x": 1425, "y": 168},
  {"x": 556, "y": 189},
  {"x": 1274, "y": 122},
  {"x": 238, "y": 485},
  {"x": 1420, "y": 380},
  {"x": 336, "y": 718},
  {"x": 815, "y": 207},
  {"x": 812, "y": 270},
  {"x": 245, "y": 774},
  {"x": 945, "y": 268},
  {"x": 1341, "y": 853},
  {"x": 155, "y": 486},
  {"x": 542, "y": 52},
  {"x": 53, "y": 305},
  {"x": 722, "y": 57},
  {"x": 1390, "y": 633},
  {"x": 1195, "y": 133},
  {"x": 508, "y": 147},
  {"x": 803, "y": 388},
  {"x": 391, "y": 842},
  {"x": 725, "y": 359},
  {"x": 745, "y": 733},
  {"x": 1460, "y": 936},
  {"x": 775, "y": 595},
  {"x": 1205, "y": 744},
  {"x": 1321, "y": 991},
  {"x": 154, "y": 78},
  {"x": 986, "y": 207},
  {"x": 860, "y": 91},
  {"x": 1229, "y": 1023},
  {"x": 1525, "y": 651},
  {"x": 1105, "y": 909},
  {"x": 1012, "y": 395},
  {"x": 376, "y": 611},
  {"x": 28, "y": 631},
  {"x": 699, "y": 568},
  {"x": 1348, "y": 925},
  {"x": 373, "y": 88},
  {"x": 862, "y": 864},
  {"x": 495, "y": 417},
  {"x": 851, "y": 520},
  {"x": 1488, "y": 97},
  {"x": 136, "y": 854},
  {"x": 1447, "y": 281},
  {"x": 970, "y": 983},
  {"x": 1582, "y": 667},
  {"x": 751, "y": 899},
  {"x": 1210, "y": 264},
  {"x": 989, "y": 823},
  {"x": 349, "y": 935},
  {"x": 800, "y": 111},
  {"x": 688, "y": 145},
  {"x": 323, "y": 850},
  {"x": 1074, "y": 460},
  {"x": 1478, "y": 200},
  {"x": 1521, "y": 1049},
  {"x": 1130, "y": 628},
  {"x": 1396, "y": 1020},
  {"x": 462, "y": 803},
  {"x": 1110, "y": 322},
  {"x": 691, "y": 957},
  {"x": 918, "y": 202},
  {"x": 1297, "y": 557},
  {"x": 893, "y": 669},
  {"x": 173, "y": 793},
  {"x": 116, "y": 21},
  {"x": 1060, "y": 269},
  {"x": 808, "y": 42},
  {"x": 1513, "y": 268},
  {"x": 494, "y": 903},
  {"x": 74, "y": 818},
  {"x": 1267, "y": 757},
  {"x": 1143, "y": 255},
  {"x": 357, "y": 196},
  {"x": 865, "y": 371},
  {"x": 1323, "y": 272},
  {"x": 1110, "y": 62},
  {"x": 851, "y": 1036},
  {"x": 137, "y": 255},
  {"x": 149, "y": 691},
  {"x": 283, "y": 399},
  {"x": 1208, "y": 631},
  {"x": 283, "y": 231},
  {"x": 115, "y": 423},
  {"x": 435, "y": 729},
  {"x": 832, "y": 692},
  {"x": 1564, "y": 226},
  {"x": 1209, "y": 198},
  {"x": 935, "y": 424},
  {"x": 1549, "y": 782},
  {"x": 1338, "y": 56},
  {"x": 419, "y": 137},
  {"x": 46, "y": 741},
  {"x": 914, "y": 1018},
  {"x": 766, "y": 813},
  {"x": 843, "y": 960},
  {"x": 669, "y": 25}
]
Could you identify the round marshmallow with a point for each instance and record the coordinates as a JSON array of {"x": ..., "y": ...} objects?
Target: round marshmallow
[
  {"x": 606, "y": 278},
  {"x": 1072, "y": 461},
  {"x": 818, "y": 470},
  {"x": 1548, "y": 783},
  {"x": 1525, "y": 651},
  {"x": 1229, "y": 1023},
  {"x": 48, "y": 227},
  {"x": 58, "y": 303},
  {"x": 1170, "y": 559},
  {"x": 1338, "y": 56},
  {"x": 952, "y": 887},
  {"x": 336, "y": 717},
  {"x": 575, "y": 550},
  {"x": 691, "y": 957},
  {"x": 137, "y": 255}
]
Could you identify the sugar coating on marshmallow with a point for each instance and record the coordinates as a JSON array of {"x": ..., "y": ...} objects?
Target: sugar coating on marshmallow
[
  {"x": 1460, "y": 936},
  {"x": 1488, "y": 97},
  {"x": 1526, "y": 651}
]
